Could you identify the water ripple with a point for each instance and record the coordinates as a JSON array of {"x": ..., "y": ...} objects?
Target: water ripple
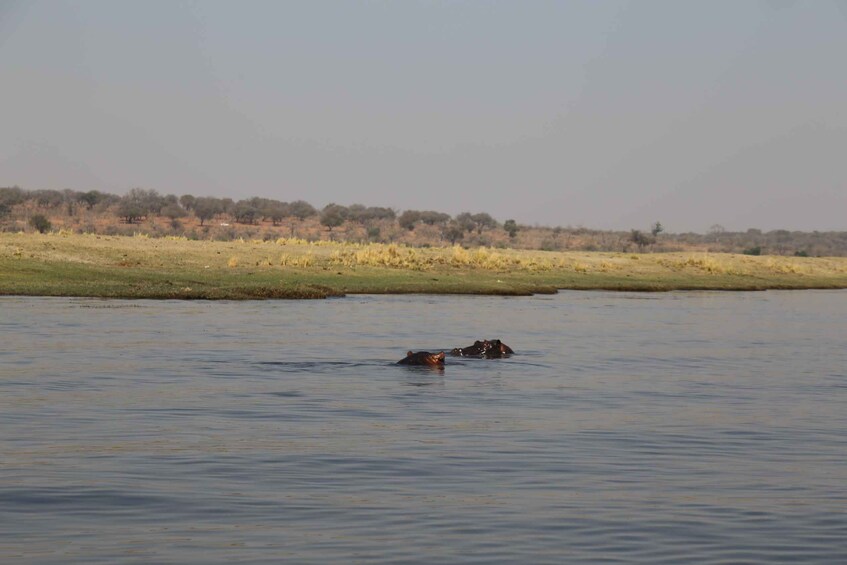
[{"x": 669, "y": 428}]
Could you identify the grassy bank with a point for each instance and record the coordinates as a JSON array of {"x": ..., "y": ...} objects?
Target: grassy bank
[{"x": 63, "y": 264}]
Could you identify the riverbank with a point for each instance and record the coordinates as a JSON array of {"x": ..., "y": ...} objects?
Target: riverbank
[{"x": 65, "y": 264}]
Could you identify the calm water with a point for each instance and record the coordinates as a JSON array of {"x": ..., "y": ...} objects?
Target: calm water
[{"x": 647, "y": 428}]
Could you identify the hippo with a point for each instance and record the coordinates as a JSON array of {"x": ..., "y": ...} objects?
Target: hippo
[
  {"x": 486, "y": 348},
  {"x": 423, "y": 358},
  {"x": 478, "y": 349},
  {"x": 498, "y": 349}
]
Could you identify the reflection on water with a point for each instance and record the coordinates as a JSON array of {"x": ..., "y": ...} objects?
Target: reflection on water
[{"x": 660, "y": 428}]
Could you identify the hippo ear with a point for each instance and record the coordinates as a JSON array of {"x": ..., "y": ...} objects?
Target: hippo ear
[{"x": 409, "y": 354}]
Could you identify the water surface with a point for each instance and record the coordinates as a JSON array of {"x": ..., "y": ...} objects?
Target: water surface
[{"x": 647, "y": 428}]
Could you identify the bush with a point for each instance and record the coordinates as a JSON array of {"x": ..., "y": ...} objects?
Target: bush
[
  {"x": 113, "y": 229},
  {"x": 641, "y": 239},
  {"x": 757, "y": 250},
  {"x": 511, "y": 228},
  {"x": 41, "y": 223}
]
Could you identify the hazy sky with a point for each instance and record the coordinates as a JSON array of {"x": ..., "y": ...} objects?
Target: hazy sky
[{"x": 607, "y": 114}]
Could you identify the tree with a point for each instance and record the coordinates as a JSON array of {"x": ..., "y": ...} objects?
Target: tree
[
  {"x": 408, "y": 219},
  {"x": 227, "y": 205},
  {"x": 333, "y": 215},
  {"x": 378, "y": 213},
  {"x": 276, "y": 211},
  {"x": 206, "y": 208},
  {"x": 302, "y": 210},
  {"x": 482, "y": 221},
  {"x": 91, "y": 198},
  {"x": 12, "y": 195},
  {"x": 356, "y": 213},
  {"x": 657, "y": 229},
  {"x": 716, "y": 231},
  {"x": 48, "y": 198},
  {"x": 139, "y": 203},
  {"x": 641, "y": 239},
  {"x": 244, "y": 212},
  {"x": 465, "y": 221},
  {"x": 173, "y": 211},
  {"x": 187, "y": 201},
  {"x": 454, "y": 232},
  {"x": 364, "y": 215},
  {"x": 511, "y": 228},
  {"x": 153, "y": 201},
  {"x": 131, "y": 210},
  {"x": 40, "y": 222},
  {"x": 432, "y": 218},
  {"x": 71, "y": 198}
]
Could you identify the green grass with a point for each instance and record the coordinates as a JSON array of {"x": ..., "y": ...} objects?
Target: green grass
[{"x": 63, "y": 264}]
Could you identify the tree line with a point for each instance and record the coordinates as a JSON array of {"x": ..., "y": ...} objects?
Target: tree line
[
  {"x": 36, "y": 208},
  {"x": 139, "y": 204}
]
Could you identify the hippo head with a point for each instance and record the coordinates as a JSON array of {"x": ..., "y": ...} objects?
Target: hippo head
[
  {"x": 423, "y": 358},
  {"x": 497, "y": 348},
  {"x": 478, "y": 348}
]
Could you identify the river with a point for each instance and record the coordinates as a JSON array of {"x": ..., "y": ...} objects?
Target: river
[{"x": 706, "y": 427}]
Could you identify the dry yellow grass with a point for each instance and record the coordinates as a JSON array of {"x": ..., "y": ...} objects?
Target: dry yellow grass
[{"x": 392, "y": 268}]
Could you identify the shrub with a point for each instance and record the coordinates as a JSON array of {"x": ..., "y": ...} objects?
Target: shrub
[
  {"x": 511, "y": 228},
  {"x": 40, "y": 222},
  {"x": 641, "y": 239}
]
